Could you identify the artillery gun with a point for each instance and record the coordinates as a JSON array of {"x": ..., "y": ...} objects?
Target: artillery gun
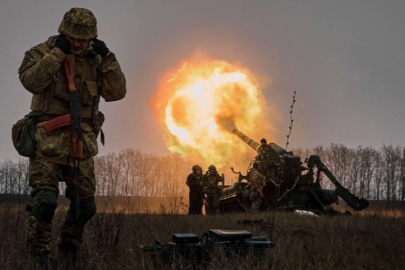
[{"x": 288, "y": 183}]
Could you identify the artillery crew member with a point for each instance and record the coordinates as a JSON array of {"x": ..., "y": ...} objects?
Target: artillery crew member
[
  {"x": 196, "y": 196},
  {"x": 263, "y": 149},
  {"x": 96, "y": 73},
  {"x": 270, "y": 152},
  {"x": 257, "y": 182},
  {"x": 268, "y": 155},
  {"x": 212, "y": 189}
]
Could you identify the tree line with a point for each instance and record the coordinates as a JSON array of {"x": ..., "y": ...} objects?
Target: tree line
[{"x": 376, "y": 174}]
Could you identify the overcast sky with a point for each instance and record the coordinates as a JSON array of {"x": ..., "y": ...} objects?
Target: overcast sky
[{"x": 345, "y": 59}]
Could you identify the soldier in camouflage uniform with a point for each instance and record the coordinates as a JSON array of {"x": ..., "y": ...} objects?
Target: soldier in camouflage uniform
[
  {"x": 257, "y": 183},
  {"x": 269, "y": 157},
  {"x": 196, "y": 195},
  {"x": 97, "y": 73},
  {"x": 212, "y": 190},
  {"x": 263, "y": 149}
]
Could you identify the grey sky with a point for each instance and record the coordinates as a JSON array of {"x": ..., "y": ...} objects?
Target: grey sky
[{"x": 345, "y": 59}]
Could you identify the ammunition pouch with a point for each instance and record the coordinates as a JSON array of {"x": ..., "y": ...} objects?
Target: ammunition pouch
[
  {"x": 23, "y": 135},
  {"x": 54, "y": 144},
  {"x": 54, "y": 140},
  {"x": 88, "y": 93}
]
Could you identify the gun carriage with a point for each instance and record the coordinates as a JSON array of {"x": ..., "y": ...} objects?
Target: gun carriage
[{"x": 288, "y": 183}]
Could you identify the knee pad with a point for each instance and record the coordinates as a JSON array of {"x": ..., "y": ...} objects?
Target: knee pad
[
  {"x": 87, "y": 210},
  {"x": 45, "y": 205}
]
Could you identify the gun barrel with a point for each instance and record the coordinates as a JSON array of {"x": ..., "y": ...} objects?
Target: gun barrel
[{"x": 252, "y": 143}]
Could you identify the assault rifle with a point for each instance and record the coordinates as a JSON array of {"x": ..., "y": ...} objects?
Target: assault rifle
[{"x": 76, "y": 133}]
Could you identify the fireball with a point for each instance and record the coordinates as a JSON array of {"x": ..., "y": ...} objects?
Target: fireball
[{"x": 200, "y": 103}]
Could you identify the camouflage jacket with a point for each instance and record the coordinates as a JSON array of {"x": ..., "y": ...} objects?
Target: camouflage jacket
[
  {"x": 211, "y": 181},
  {"x": 257, "y": 180},
  {"x": 41, "y": 74}
]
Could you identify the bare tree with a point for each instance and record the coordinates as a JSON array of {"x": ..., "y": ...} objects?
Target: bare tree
[
  {"x": 402, "y": 174},
  {"x": 367, "y": 167},
  {"x": 338, "y": 158},
  {"x": 375, "y": 174},
  {"x": 391, "y": 159}
]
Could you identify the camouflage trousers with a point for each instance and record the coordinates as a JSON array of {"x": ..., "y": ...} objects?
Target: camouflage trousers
[
  {"x": 44, "y": 177},
  {"x": 256, "y": 199},
  {"x": 212, "y": 204}
]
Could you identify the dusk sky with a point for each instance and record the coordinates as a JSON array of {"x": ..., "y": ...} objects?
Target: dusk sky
[{"x": 345, "y": 60}]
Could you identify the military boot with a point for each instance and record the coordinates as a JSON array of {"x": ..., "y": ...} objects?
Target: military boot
[
  {"x": 67, "y": 255},
  {"x": 42, "y": 261}
]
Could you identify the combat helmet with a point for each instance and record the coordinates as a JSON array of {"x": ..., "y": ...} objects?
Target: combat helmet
[
  {"x": 79, "y": 23},
  {"x": 263, "y": 140},
  {"x": 212, "y": 167},
  {"x": 195, "y": 168},
  {"x": 256, "y": 164}
]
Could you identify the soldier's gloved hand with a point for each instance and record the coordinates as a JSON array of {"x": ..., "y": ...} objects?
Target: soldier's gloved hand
[
  {"x": 100, "y": 48},
  {"x": 63, "y": 44}
]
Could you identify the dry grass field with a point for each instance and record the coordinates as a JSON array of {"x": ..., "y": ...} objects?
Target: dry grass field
[
  {"x": 369, "y": 240},
  {"x": 373, "y": 239}
]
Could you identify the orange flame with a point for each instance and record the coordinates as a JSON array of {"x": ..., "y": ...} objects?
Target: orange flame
[{"x": 201, "y": 102}]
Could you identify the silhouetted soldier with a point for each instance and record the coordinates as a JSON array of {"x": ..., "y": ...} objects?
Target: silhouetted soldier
[
  {"x": 196, "y": 196},
  {"x": 257, "y": 183},
  {"x": 211, "y": 187}
]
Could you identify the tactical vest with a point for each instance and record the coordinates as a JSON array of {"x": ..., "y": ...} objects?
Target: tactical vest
[
  {"x": 212, "y": 182},
  {"x": 54, "y": 99}
]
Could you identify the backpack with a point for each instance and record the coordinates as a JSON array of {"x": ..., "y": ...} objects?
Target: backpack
[{"x": 23, "y": 135}]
